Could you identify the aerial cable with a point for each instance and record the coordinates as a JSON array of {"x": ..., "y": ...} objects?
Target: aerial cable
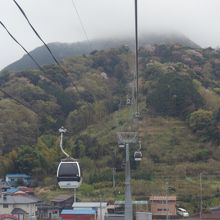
[
  {"x": 22, "y": 11},
  {"x": 37, "y": 64},
  {"x": 81, "y": 23},
  {"x": 56, "y": 61},
  {"x": 136, "y": 57},
  {"x": 54, "y": 58},
  {"x": 18, "y": 101},
  {"x": 32, "y": 58}
]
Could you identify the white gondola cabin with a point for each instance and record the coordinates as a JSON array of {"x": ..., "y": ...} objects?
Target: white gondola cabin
[
  {"x": 68, "y": 174},
  {"x": 137, "y": 155}
]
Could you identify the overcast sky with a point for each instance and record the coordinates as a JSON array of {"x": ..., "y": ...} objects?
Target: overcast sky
[{"x": 57, "y": 21}]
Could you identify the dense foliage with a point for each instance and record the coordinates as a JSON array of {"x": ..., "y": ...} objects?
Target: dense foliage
[
  {"x": 180, "y": 125},
  {"x": 174, "y": 95}
]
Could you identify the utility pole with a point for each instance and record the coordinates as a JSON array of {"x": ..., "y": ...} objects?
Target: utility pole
[
  {"x": 167, "y": 209},
  {"x": 113, "y": 177},
  {"x": 74, "y": 195},
  {"x": 100, "y": 209},
  {"x": 200, "y": 181},
  {"x": 114, "y": 169}
]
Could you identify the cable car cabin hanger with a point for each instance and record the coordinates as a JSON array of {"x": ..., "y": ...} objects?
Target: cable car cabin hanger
[{"x": 68, "y": 171}]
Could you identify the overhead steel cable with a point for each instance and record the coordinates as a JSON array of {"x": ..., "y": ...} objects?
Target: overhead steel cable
[
  {"x": 22, "y": 11},
  {"x": 82, "y": 25},
  {"x": 18, "y": 101},
  {"x": 37, "y": 64},
  {"x": 136, "y": 57},
  {"x": 32, "y": 58},
  {"x": 54, "y": 58}
]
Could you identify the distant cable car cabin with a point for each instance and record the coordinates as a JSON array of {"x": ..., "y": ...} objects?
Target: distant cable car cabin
[
  {"x": 128, "y": 101},
  {"x": 68, "y": 174},
  {"x": 137, "y": 155},
  {"x": 137, "y": 115}
]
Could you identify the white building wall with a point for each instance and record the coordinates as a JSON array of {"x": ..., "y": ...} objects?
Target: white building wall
[{"x": 6, "y": 210}]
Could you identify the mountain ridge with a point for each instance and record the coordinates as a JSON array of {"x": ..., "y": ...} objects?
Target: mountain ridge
[{"x": 65, "y": 50}]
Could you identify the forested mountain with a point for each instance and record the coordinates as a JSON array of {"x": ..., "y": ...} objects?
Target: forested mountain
[
  {"x": 180, "y": 124},
  {"x": 63, "y": 50}
]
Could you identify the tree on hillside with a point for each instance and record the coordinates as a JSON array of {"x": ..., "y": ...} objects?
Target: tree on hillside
[
  {"x": 174, "y": 95},
  {"x": 18, "y": 125},
  {"x": 79, "y": 119},
  {"x": 164, "y": 52},
  {"x": 203, "y": 123},
  {"x": 66, "y": 101},
  {"x": 111, "y": 63},
  {"x": 30, "y": 161}
]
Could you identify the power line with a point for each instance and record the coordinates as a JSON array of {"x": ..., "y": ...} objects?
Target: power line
[
  {"x": 38, "y": 35},
  {"x": 22, "y": 11},
  {"x": 32, "y": 58},
  {"x": 81, "y": 23},
  {"x": 18, "y": 101},
  {"x": 38, "y": 65},
  {"x": 54, "y": 58},
  {"x": 136, "y": 56}
]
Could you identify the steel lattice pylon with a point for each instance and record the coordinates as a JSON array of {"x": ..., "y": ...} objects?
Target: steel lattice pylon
[{"x": 126, "y": 138}]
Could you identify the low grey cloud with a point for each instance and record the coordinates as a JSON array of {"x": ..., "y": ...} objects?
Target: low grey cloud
[{"x": 57, "y": 21}]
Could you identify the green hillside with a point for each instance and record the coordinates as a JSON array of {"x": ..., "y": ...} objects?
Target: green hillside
[{"x": 180, "y": 124}]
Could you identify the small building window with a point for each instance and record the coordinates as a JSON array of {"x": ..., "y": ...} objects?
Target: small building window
[{"x": 5, "y": 205}]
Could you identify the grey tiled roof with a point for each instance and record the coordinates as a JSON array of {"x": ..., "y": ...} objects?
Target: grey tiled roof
[
  {"x": 89, "y": 204},
  {"x": 61, "y": 198},
  {"x": 18, "y": 200}
]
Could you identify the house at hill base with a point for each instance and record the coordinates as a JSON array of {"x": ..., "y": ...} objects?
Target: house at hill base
[
  {"x": 47, "y": 211},
  {"x": 85, "y": 210},
  {"x": 17, "y": 179},
  {"x": 87, "y": 214},
  {"x": 62, "y": 202},
  {"x": 163, "y": 205},
  {"x": 22, "y": 207}
]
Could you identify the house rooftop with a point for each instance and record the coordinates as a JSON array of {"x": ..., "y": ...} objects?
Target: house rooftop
[
  {"x": 11, "y": 190},
  {"x": 89, "y": 204},
  {"x": 140, "y": 202},
  {"x": 159, "y": 198},
  {"x": 78, "y": 212},
  {"x": 61, "y": 198},
  {"x": 8, "y": 199},
  {"x": 17, "y": 175}
]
